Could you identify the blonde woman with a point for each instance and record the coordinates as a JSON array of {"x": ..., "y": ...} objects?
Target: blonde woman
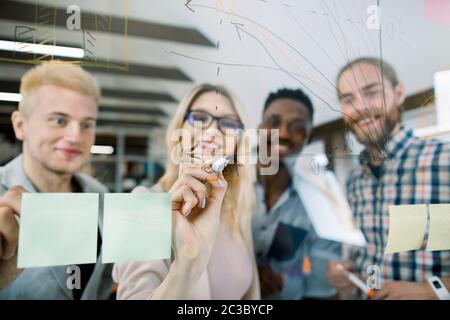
[{"x": 212, "y": 253}]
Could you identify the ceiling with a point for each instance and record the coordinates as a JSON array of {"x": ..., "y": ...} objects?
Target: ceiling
[{"x": 147, "y": 54}]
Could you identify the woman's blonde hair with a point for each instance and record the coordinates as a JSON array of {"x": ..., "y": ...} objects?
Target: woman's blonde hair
[
  {"x": 239, "y": 198},
  {"x": 58, "y": 73}
]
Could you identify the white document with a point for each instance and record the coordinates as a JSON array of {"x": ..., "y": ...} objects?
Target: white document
[{"x": 332, "y": 220}]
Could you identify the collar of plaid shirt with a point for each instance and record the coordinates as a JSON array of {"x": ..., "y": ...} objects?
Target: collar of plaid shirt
[{"x": 400, "y": 140}]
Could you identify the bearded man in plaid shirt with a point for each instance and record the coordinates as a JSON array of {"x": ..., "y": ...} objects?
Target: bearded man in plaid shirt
[{"x": 396, "y": 168}]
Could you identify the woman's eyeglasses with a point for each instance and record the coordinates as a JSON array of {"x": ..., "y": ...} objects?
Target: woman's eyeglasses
[{"x": 205, "y": 119}]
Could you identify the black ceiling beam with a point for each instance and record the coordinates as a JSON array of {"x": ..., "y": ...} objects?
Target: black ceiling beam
[
  {"x": 14, "y": 86},
  {"x": 108, "y": 67},
  {"x": 9, "y": 86},
  {"x": 26, "y": 12},
  {"x": 10, "y": 106},
  {"x": 6, "y": 119},
  {"x": 133, "y": 110},
  {"x": 126, "y": 124},
  {"x": 139, "y": 95}
]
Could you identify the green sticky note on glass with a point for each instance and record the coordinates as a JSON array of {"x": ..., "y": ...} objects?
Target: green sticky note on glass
[
  {"x": 136, "y": 226},
  {"x": 58, "y": 229}
]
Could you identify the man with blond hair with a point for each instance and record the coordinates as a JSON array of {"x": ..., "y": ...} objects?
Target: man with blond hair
[{"x": 56, "y": 124}]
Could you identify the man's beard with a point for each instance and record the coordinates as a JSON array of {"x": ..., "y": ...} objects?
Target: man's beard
[{"x": 376, "y": 141}]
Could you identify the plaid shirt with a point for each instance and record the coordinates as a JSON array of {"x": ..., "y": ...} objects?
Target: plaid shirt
[{"x": 416, "y": 172}]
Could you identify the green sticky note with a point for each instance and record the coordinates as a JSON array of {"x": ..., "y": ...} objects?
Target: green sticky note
[
  {"x": 136, "y": 226},
  {"x": 58, "y": 229}
]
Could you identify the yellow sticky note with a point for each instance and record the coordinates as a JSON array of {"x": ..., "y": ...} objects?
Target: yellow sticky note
[
  {"x": 407, "y": 225},
  {"x": 439, "y": 236}
]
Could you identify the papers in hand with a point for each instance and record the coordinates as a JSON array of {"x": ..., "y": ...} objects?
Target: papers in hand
[{"x": 329, "y": 211}]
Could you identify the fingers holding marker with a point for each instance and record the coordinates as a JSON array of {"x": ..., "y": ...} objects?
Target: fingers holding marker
[
  {"x": 196, "y": 171},
  {"x": 189, "y": 189},
  {"x": 198, "y": 188},
  {"x": 183, "y": 200}
]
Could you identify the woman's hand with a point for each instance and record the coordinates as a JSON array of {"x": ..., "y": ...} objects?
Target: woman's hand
[{"x": 196, "y": 217}]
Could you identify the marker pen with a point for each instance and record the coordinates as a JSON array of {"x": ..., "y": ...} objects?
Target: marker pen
[
  {"x": 217, "y": 166},
  {"x": 358, "y": 282}
]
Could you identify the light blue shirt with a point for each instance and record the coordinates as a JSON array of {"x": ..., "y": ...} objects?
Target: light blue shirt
[
  {"x": 50, "y": 283},
  {"x": 291, "y": 214}
]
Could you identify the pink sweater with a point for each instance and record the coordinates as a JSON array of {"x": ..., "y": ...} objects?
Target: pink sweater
[{"x": 231, "y": 273}]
